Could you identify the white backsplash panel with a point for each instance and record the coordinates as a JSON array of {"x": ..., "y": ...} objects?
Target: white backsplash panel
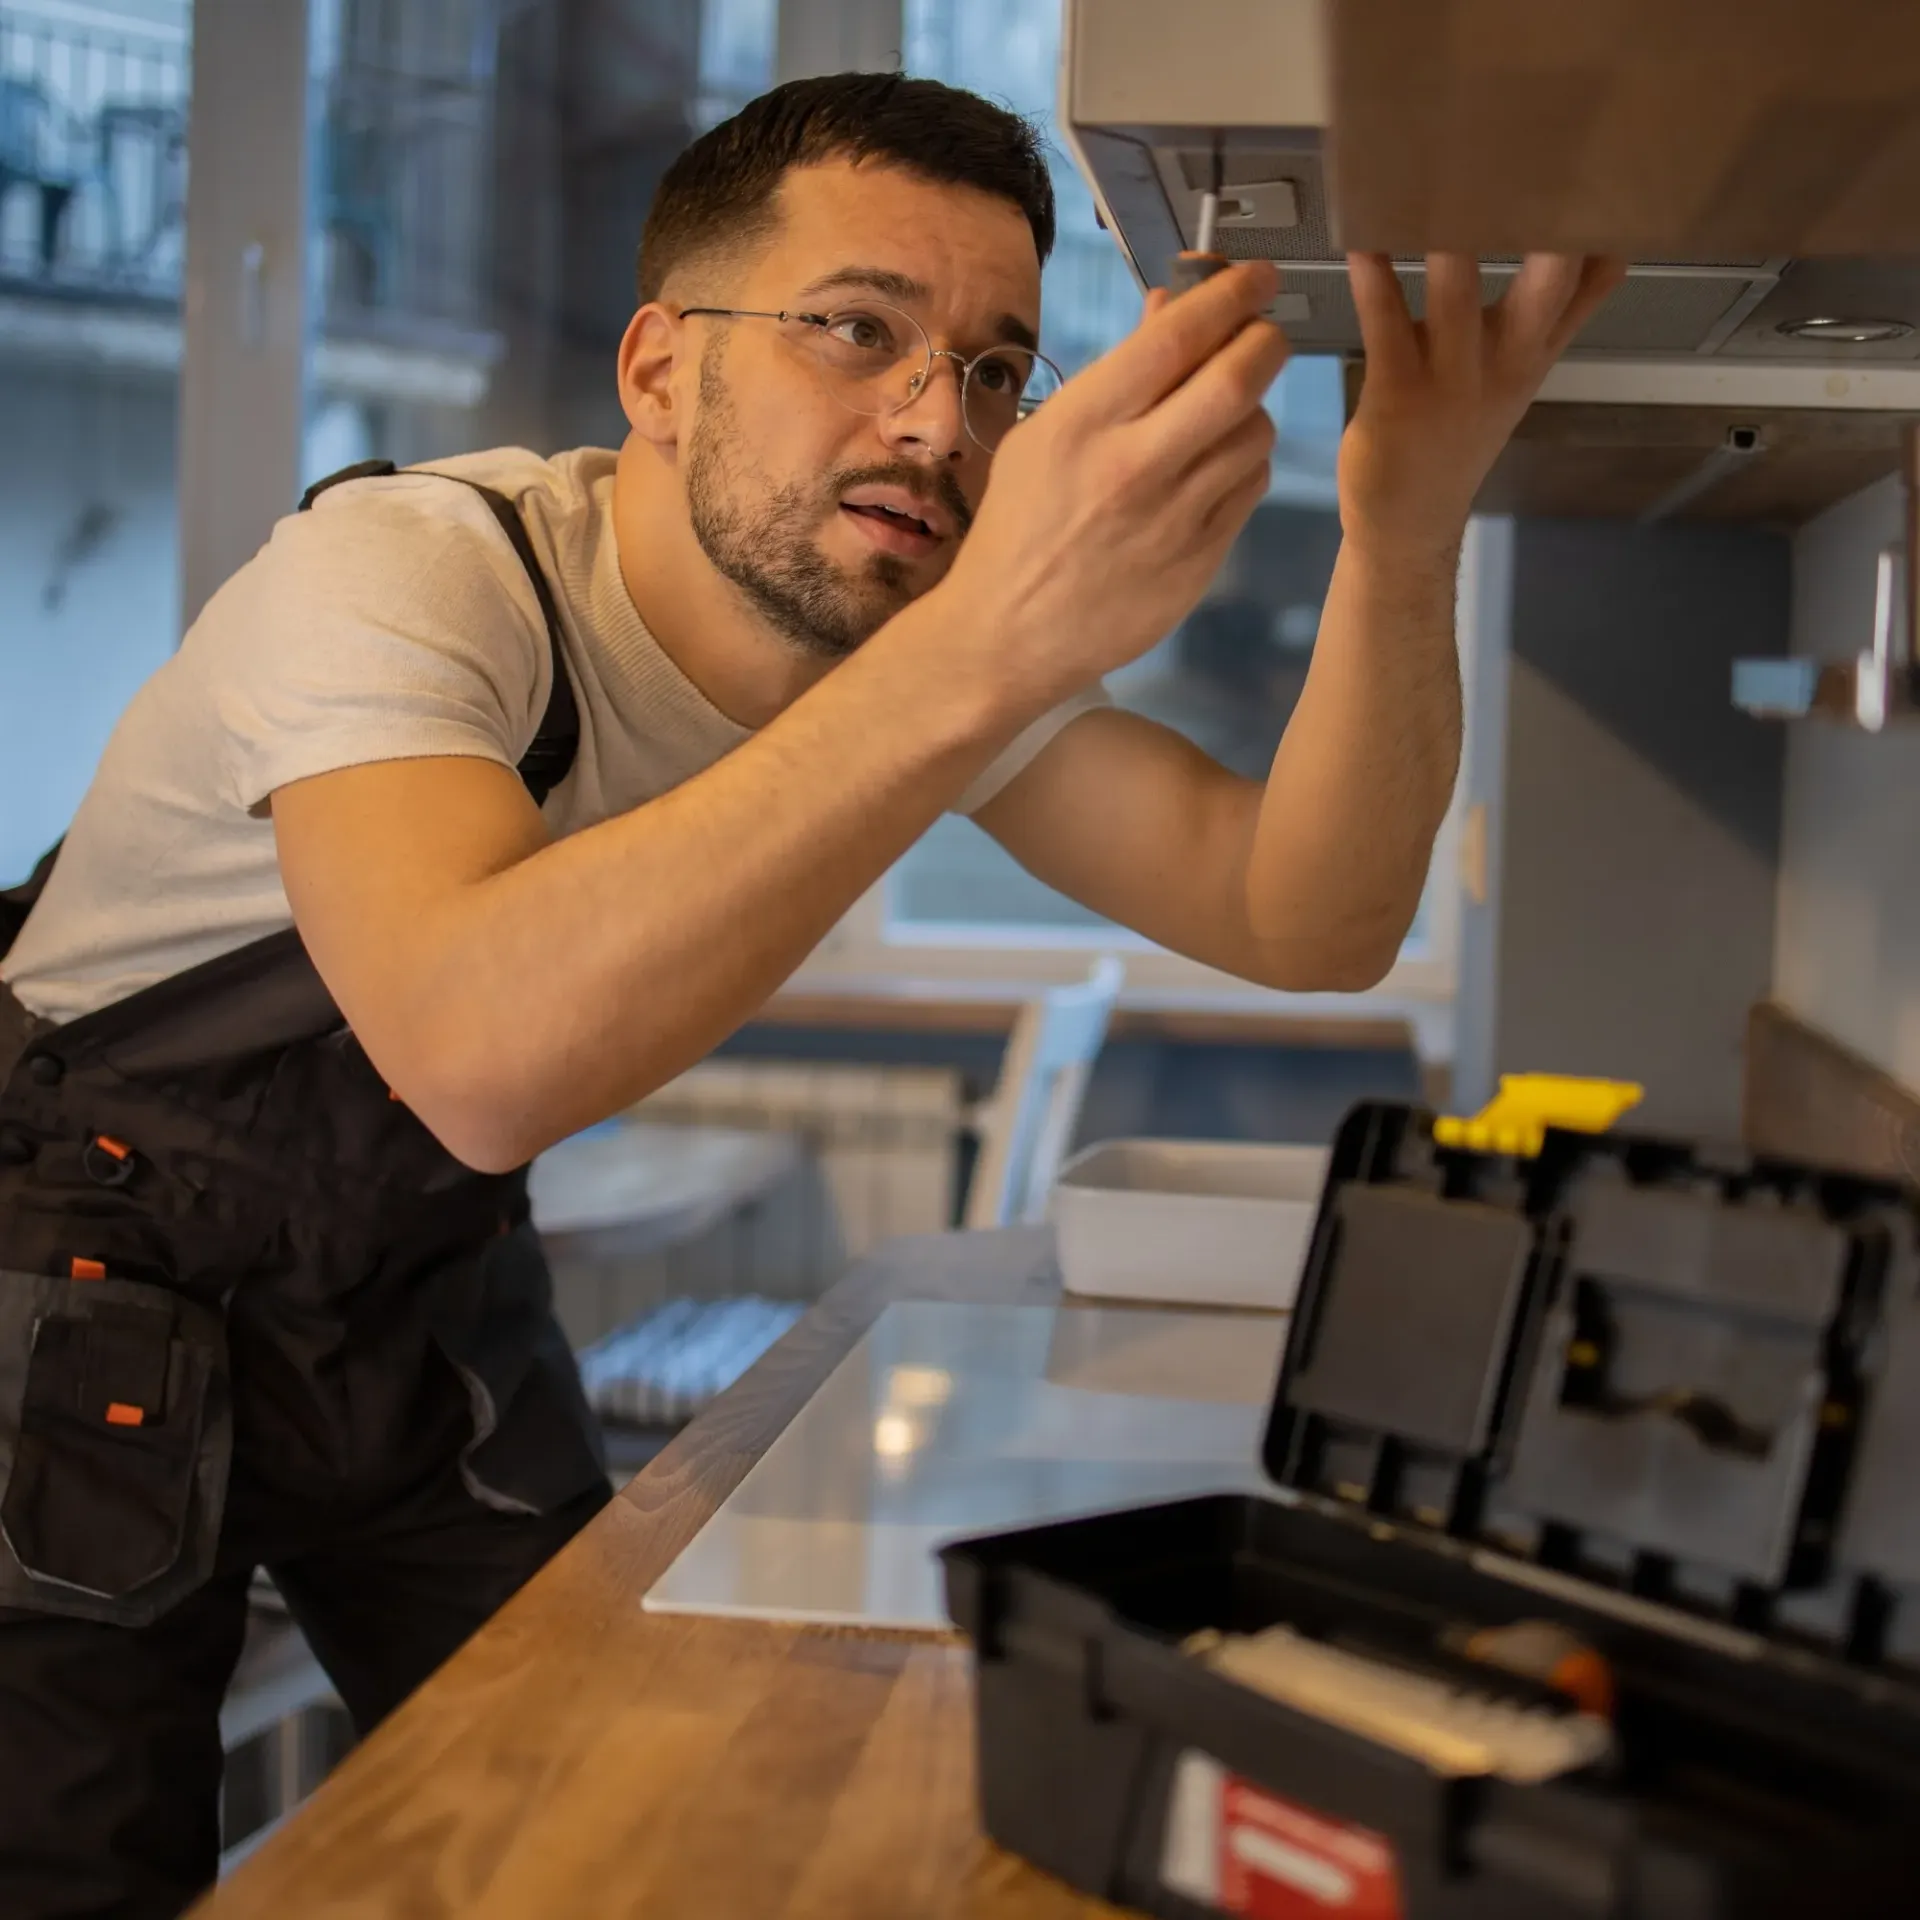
[{"x": 948, "y": 1419}]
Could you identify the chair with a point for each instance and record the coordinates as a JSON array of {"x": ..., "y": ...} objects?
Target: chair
[
  {"x": 653, "y": 1185},
  {"x": 1027, "y": 1125}
]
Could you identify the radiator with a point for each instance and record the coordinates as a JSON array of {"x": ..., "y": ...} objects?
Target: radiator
[{"x": 879, "y": 1157}]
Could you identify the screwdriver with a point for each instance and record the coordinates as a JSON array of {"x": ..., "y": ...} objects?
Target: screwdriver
[{"x": 1189, "y": 269}]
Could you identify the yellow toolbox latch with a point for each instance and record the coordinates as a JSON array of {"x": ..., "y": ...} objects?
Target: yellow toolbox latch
[{"x": 1517, "y": 1118}]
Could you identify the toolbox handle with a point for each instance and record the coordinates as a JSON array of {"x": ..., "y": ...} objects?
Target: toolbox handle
[{"x": 1054, "y": 1625}]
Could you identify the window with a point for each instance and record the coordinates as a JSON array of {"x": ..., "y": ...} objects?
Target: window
[
  {"x": 1229, "y": 677},
  {"x": 479, "y": 173},
  {"x": 93, "y": 114},
  {"x": 736, "y": 57},
  {"x": 482, "y": 169}
]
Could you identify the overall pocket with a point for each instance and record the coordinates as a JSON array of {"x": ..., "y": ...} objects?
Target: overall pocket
[{"x": 115, "y": 1434}]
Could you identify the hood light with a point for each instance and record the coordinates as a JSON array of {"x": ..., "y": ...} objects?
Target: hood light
[{"x": 1852, "y": 333}]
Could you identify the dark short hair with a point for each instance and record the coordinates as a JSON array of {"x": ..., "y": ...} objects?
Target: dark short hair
[{"x": 721, "y": 190}]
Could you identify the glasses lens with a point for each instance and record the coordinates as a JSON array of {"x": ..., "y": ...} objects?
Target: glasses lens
[
  {"x": 869, "y": 356},
  {"x": 1003, "y": 388}
]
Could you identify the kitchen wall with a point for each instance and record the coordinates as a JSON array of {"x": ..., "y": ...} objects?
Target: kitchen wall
[
  {"x": 1847, "y": 951},
  {"x": 1633, "y": 814}
]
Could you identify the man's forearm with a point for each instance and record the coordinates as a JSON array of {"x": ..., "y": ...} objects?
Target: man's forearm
[
  {"x": 1365, "y": 770},
  {"x": 1362, "y": 779},
  {"x": 572, "y": 982}
]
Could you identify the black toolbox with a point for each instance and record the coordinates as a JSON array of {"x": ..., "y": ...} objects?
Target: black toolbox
[{"x": 1666, "y": 1399}]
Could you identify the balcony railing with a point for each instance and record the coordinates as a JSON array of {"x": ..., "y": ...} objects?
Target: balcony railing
[
  {"x": 93, "y": 164},
  {"x": 93, "y": 188},
  {"x": 93, "y": 159},
  {"x": 403, "y": 164}
]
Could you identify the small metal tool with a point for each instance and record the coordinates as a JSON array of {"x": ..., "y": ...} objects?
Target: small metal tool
[
  {"x": 1189, "y": 269},
  {"x": 1209, "y": 222}
]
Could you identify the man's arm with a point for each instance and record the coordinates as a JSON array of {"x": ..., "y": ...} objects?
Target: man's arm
[
  {"x": 512, "y": 991},
  {"x": 1311, "y": 882}
]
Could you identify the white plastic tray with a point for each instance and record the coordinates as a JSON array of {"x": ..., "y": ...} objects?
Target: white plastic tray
[{"x": 1189, "y": 1222}]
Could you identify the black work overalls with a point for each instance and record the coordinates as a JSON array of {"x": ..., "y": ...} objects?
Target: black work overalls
[{"x": 251, "y": 1312}]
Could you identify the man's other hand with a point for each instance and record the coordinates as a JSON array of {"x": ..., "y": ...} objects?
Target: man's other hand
[{"x": 1443, "y": 394}]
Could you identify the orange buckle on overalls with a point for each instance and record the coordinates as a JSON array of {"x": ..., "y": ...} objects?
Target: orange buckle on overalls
[
  {"x": 109, "y": 1162},
  {"x": 79, "y": 1269}
]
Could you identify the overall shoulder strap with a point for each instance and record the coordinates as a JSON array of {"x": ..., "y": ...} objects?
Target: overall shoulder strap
[{"x": 549, "y": 757}]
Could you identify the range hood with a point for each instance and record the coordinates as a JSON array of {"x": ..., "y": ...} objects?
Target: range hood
[{"x": 1756, "y": 363}]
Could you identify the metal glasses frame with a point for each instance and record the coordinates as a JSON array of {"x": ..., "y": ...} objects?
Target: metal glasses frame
[{"x": 963, "y": 367}]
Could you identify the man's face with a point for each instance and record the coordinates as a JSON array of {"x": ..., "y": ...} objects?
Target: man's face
[{"x": 787, "y": 487}]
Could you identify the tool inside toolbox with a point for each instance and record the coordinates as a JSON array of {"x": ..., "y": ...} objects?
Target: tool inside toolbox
[{"x": 1460, "y": 1712}]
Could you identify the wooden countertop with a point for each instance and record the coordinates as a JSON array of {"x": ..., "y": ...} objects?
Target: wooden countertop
[{"x": 580, "y": 1756}]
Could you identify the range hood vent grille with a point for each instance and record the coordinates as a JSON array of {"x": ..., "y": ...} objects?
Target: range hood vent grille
[{"x": 1667, "y": 313}]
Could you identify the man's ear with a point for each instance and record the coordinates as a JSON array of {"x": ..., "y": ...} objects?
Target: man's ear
[{"x": 649, "y": 353}]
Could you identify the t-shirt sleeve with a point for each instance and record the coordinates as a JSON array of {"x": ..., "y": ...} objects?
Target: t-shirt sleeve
[
  {"x": 1029, "y": 746},
  {"x": 386, "y": 626}
]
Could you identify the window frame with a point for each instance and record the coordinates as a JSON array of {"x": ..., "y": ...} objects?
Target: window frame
[{"x": 244, "y": 298}]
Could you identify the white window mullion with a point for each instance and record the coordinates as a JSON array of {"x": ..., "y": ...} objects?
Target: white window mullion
[{"x": 244, "y": 314}]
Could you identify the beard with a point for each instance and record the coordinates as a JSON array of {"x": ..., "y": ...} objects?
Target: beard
[{"x": 773, "y": 554}]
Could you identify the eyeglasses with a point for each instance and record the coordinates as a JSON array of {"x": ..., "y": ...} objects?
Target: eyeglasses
[{"x": 874, "y": 359}]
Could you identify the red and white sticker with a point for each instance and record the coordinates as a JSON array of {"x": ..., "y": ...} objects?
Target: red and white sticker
[{"x": 1243, "y": 1850}]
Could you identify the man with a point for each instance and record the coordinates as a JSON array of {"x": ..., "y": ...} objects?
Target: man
[{"x": 461, "y": 821}]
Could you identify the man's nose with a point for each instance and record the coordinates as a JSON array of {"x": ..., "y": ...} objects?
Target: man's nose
[{"x": 930, "y": 422}]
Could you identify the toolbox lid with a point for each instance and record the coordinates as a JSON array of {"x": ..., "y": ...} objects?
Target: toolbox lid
[{"x": 1691, "y": 1372}]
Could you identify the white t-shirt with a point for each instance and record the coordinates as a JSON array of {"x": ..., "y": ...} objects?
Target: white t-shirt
[{"x": 393, "y": 621}]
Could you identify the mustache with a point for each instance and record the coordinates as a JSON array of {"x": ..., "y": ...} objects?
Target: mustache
[{"x": 939, "y": 486}]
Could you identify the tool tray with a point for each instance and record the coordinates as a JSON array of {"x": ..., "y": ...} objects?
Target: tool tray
[{"x": 1665, "y": 1398}]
